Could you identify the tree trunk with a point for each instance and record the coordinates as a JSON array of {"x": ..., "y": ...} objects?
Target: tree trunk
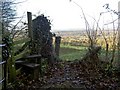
[{"x": 118, "y": 35}]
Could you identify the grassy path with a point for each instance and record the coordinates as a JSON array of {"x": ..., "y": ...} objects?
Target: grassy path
[{"x": 69, "y": 53}]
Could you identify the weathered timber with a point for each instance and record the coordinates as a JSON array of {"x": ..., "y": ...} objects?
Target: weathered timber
[
  {"x": 32, "y": 57},
  {"x": 31, "y": 68},
  {"x": 57, "y": 45},
  {"x": 30, "y": 32},
  {"x": 18, "y": 63}
]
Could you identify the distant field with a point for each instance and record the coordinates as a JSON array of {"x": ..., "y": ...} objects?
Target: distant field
[
  {"x": 77, "y": 38},
  {"x": 70, "y": 33},
  {"x": 73, "y": 44}
]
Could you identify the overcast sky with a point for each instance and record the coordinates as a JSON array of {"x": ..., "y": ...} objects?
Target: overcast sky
[{"x": 67, "y": 15}]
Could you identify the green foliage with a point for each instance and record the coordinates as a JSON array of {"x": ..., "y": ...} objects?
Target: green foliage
[
  {"x": 41, "y": 32},
  {"x": 68, "y": 52},
  {"x": 20, "y": 49},
  {"x": 14, "y": 55},
  {"x": 8, "y": 13},
  {"x": 44, "y": 66}
]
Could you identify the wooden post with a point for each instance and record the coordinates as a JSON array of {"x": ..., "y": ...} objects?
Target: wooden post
[
  {"x": 119, "y": 34},
  {"x": 30, "y": 32},
  {"x": 57, "y": 45}
]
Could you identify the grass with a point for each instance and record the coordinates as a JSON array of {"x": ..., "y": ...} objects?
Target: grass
[{"x": 70, "y": 53}]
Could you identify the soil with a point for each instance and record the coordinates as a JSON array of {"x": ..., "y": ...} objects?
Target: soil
[{"x": 72, "y": 74}]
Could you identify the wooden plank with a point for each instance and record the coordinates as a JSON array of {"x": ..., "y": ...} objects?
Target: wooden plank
[
  {"x": 31, "y": 65},
  {"x": 34, "y": 56},
  {"x": 32, "y": 68},
  {"x": 19, "y": 61},
  {"x": 31, "y": 56}
]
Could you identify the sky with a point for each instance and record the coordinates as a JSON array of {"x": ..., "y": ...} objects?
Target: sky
[{"x": 66, "y": 15}]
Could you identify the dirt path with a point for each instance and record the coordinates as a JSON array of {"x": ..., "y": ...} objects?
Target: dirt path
[{"x": 76, "y": 75}]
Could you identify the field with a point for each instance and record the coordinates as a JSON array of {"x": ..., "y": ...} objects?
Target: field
[
  {"x": 68, "y": 72},
  {"x": 74, "y": 45},
  {"x": 68, "y": 52}
]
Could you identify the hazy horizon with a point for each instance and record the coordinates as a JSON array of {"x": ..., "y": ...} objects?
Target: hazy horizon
[{"x": 66, "y": 15}]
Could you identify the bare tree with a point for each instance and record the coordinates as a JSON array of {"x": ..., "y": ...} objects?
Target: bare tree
[
  {"x": 119, "y": 34},
  {"x": 8, "y": 14}
]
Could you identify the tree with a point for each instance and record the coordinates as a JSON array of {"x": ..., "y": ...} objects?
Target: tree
[
  {"x": 8, "y": 13},
  {"x": 119, "y": 35}
]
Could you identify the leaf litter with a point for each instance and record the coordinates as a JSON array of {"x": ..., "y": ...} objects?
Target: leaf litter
[{"x": 74, "y": 74}]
